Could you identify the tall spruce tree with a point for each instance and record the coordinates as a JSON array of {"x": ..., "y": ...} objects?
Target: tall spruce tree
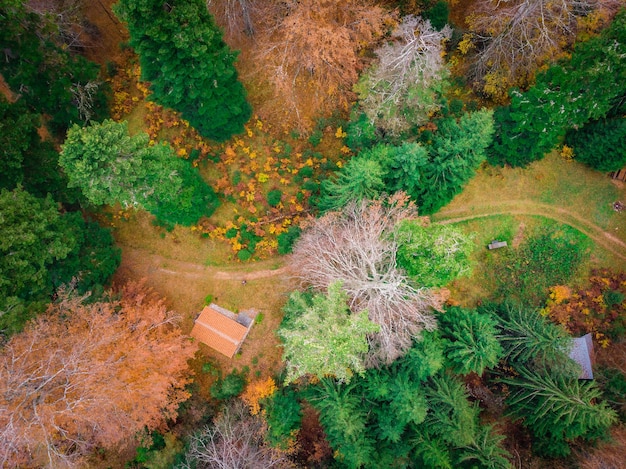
[
  {"x": 190, "y": 68},
  {"x": 558, "y": 410}
]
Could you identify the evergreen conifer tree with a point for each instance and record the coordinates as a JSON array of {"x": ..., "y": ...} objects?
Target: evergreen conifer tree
[
  {"x": 557, "y": 410},
  {"x": 190, "y": 68}
]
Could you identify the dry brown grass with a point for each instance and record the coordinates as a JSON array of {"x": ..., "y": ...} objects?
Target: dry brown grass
[
  {"x": 609, "y": 455},
  {"x": 185, "y": 285}
]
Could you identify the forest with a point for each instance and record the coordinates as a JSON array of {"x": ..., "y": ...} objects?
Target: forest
[{"x": 422, "y": 203}]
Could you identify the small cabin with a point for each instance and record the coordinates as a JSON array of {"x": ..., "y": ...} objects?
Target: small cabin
[
  {"x": 221, "y": 329},
  {"x": 582, "y": 353}
]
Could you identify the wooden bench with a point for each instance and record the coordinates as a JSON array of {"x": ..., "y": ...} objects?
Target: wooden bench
[{"x": 497, "y": 244}]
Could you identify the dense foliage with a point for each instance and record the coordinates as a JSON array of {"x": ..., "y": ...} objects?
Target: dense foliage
[
  {"x": 433, "y": 255},
  {"x": 566, "y": 96},
  {"x": 471, "y": 341},
  {"x": 558, "y": 410},
  {"x": 50, "y": 79},
  {"x": 432, "y": 173},
  {"x": 110, "y": 166},
  {"x": 90, "y": 375},
  {"x": 405, "y": 87},
  {"x": 42, "y": 249},
  {"x": 600, "y": 144},
  {"x": 26, "y": 159},
  {"x": 188, "y": 65},
  {"x": 322, "y": 338}
]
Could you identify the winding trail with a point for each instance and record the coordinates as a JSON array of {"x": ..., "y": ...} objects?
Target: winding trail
[
  {"x": 524, "y": 207},
  {"x": 159, "y": 265}
]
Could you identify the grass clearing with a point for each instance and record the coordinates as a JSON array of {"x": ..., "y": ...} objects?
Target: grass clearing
[
  {"x": 509, "y": 271},
  {"x": 553, "y": 181}
]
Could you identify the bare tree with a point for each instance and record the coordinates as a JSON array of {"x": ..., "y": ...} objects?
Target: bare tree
[
  {"x": 83, "y": 98},
  {"x": 66, "y": 15},
  {"x": 235, "y": 440},
  {"x": 400, "y": 90},
  {"x": 356, "y": 246},
  {"x": 514, "y": 37},
  {"x": 237, "y": 17}
]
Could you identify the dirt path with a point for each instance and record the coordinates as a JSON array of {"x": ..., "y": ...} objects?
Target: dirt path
[
  {"x": 603, "y": 238},
  {"x": 157, "y": 264}
]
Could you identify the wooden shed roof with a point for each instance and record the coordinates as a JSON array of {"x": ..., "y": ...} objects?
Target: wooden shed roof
[{"x": 219, "y": 331}]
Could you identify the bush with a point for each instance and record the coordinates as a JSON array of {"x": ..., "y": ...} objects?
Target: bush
[
  {"x": 287, "y": 240},
  {"x": 316, "y": 137},
  {"x": 274, "y": 197},
  {"x": 244, "y": 255},
  {"x": 230, "y": 386}
]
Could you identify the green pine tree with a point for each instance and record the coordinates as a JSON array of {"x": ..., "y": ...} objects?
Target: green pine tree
[
  {"x": 457, "y": 150},
  {"x": 530, "y": 340},
  {"x": 471, "y": 343},
  {"x": 188, "y": 65},
  {"x": 557, "y": 409}
]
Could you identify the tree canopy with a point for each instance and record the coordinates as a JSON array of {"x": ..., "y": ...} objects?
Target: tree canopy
[
  {"x": 41, "y": 249},
  {"x": 321, "y": 337},
  {"x": 110, "y": 166},
  {"x": 90, "y": 375},
  {"x": 356, "y": 246},
  {"x": 188, "y": 65}
]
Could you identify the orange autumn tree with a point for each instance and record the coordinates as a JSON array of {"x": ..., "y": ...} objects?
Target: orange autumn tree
[
  {"x": 311, "y": 48},
  {"x": 90, "y": 375}
]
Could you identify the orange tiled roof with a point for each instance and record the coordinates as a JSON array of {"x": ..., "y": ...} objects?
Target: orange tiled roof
[{"x": 218, "y": 331}]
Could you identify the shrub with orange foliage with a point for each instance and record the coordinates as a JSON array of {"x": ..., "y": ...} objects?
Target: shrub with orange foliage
[
  {"x": 256, "y": 391},
  {"x": 90, "y": 375},
  {"x": 599, "y": 308}
]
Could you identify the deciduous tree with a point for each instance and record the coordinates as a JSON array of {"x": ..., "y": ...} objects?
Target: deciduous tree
[
  {"x": 235, "y": 439},
  {"x": 188, "y": 65},
  {"x": 320, "y": 336},
  {"x": 433, "y": 255},
  {"x": 312, "y": 47},
  {"x": 356, "y": 246},
  {"x": 90, "y": 375},
  {"x": 514, "y": 38},
  {"x": 404, "y": 88},
  {"x": 236, "y": 17}
]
